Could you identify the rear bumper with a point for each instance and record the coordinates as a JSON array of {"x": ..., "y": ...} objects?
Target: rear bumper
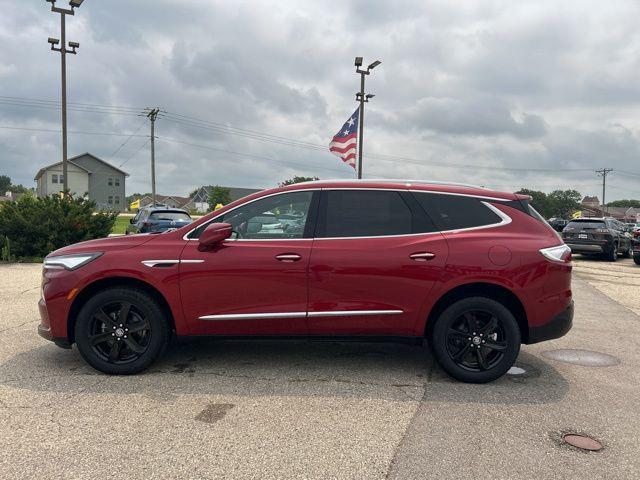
[
  {"x": 585, "y": 248},
  {"x": 557, "y": 327}
]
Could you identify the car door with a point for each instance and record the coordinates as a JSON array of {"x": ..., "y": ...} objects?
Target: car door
[
  {"x": 375, "y": 258},
  {"x": 255, "y": 283}
]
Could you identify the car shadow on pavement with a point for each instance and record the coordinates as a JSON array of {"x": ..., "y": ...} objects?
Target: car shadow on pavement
[{"x": 276, "y": 368}]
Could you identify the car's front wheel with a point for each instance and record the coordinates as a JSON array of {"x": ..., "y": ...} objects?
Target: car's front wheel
[
  {"x": 121, "y": 331},
  {"x": 476, "y": 340}
]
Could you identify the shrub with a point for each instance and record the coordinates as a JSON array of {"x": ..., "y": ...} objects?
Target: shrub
[{"x": 35, "y": 227}]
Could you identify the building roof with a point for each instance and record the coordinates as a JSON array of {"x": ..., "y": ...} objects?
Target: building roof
[
  {"x": 71, "y": 160},
  {"x": 100, "y": 160},
  {"x": 43, "y": 169}
]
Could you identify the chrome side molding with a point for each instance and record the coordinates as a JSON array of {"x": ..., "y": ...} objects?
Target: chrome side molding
[
  {"x": 167, "y": 263},
  {"x": 338, "y": 313}
]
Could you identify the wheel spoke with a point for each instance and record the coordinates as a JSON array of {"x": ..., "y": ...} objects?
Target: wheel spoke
[
  {"x": 460, "y": 354},
  {"x": 104, "y": 318},
  {"x": 115, "y": 351},
  {"x": 124, "y": 312},
  {"x": 453, "y": 333},
  {"x": 100, "y": 338},
  {"x": 133, "y": 345},
  {"x": 498, "y": 346},
  {"x": 482, "y": 361},
  {"x": 490, "y": 326},
  {"x": 136, "y": 327},
  {"x": 471, "y": 322}
]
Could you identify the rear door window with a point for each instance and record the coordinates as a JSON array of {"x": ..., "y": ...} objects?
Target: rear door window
[
  {"x": 454, "y": 212},
  {"x": 363, "y": 213}
]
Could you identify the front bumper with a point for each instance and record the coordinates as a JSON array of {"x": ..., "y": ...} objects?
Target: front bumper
[{"x": 557, "y": 327}]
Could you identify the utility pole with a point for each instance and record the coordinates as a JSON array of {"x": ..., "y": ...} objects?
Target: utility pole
[
  {"x": 63, "y": 56},
  {"x": 152, "y": 114},
  {"x": 362, "y": 98},
  {"x": 604, "y": 172}
]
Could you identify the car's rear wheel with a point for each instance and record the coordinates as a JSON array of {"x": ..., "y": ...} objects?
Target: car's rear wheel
[
  {"x": 612, "y": 255},
  {"x": 636, "y": 258},
  {"x": 627, "y": 252},
  {"x": 121, "y": 331},
  {"x": 476, "y": 340}
]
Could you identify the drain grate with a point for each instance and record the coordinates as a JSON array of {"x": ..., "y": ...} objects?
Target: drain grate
[
  {"x": 583, "y": 442},
  {"x": 586, "y": 358}
]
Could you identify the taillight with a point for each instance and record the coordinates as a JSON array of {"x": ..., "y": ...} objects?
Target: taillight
[{"x": 559, "y": 254}]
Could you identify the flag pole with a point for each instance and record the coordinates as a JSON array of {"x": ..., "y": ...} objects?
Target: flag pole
[
  {"x": 361, "y": 121},
  {"x": 362, "y": 98}
]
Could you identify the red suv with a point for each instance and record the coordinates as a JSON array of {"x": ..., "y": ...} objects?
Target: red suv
[{"x": 475, "y": 272}]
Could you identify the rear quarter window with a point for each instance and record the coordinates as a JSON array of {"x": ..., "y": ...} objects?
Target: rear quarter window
[{"x": 452, "y": 212}]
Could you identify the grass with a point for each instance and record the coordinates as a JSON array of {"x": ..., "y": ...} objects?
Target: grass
[{"x": 121, "y": 224}]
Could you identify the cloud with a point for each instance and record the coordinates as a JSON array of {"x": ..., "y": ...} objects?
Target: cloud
[{"x": 505, "y": 94}]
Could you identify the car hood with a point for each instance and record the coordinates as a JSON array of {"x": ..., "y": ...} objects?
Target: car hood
[{"x": 104, "y": 244}]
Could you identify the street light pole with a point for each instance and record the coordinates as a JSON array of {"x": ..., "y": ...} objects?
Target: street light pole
[
  {"x": 63, "y": 56},
  {"x": 362, "y": 98}
]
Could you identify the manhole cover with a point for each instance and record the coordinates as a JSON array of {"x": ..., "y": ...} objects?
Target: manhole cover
[
  {"x": 582, "y": 442},
  {"x": 587, "y": 358}
]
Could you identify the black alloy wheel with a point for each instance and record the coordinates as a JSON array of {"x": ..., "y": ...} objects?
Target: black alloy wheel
[
  {"x": 476, "y": 340},
  {"x": 612, "y": 255},
  {"x": 121, "y": 331}
]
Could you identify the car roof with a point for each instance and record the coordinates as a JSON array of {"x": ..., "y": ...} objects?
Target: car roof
[
  {"x": 169, "y": 210},
  {"x": 424, "y": 185}
]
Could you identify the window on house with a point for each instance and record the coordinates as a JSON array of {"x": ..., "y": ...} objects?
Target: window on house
[
  {"x": 54, "y": 178},
  {"x": 110, "y": 182},
  {"x": 116, "y": 182},
  {"x": 61, "y": 178},
  {"x": 110, "y": 200},
  {"x": 117, "y": 200}
]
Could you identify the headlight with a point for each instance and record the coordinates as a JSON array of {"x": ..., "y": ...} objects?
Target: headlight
[{"x": 70, "y": 262}]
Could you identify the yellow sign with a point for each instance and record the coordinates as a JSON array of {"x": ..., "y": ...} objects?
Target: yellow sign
[
  {"x": 218, "y": 206},
  {"x": 135, "y": 205},
  {"x": 577, "y": 214}
]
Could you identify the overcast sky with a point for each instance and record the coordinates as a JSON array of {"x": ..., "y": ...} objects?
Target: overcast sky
[{"x": 500, "y": 93}]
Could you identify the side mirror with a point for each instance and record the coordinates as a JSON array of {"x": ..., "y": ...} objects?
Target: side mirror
[{"x": 214, "y": 234}]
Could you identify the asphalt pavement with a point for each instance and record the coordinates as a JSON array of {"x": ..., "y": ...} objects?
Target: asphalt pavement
[{"x": 320, "y": 410}]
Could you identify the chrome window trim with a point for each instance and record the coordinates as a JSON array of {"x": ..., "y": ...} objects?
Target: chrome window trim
[{"x": 505, "y": 219}]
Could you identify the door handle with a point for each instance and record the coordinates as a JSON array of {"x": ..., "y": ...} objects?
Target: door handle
[
  {"x": 422, "y": 256},
  {"x": 288, "y": 257}
]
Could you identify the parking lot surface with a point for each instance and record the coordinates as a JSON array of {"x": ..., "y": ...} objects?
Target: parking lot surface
[{"x": 322, "y": 410}]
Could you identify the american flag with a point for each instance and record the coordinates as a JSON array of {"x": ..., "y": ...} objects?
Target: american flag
[{"x": 344, "y": 142}]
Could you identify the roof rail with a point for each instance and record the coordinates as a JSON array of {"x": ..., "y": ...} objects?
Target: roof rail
[{"x": 399, "y": 180}]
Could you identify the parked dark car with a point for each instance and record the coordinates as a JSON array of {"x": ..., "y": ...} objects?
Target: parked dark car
[
  {"x": 636, "y": 249},
  {"x": 558, "y": 224},
  {"x": 601, "y": 236},
  {"x": 475, "y": 271},
  {"x": 156, "y": 220}
]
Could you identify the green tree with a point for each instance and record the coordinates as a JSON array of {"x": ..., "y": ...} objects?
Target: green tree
[
  {"x": 5, "y": 183},
  {"x": 539, "y": 201},
  {"x": 624, "y": 203},
  {"x": 19, "y": 189},
  {"x": 34, "y": 227},
  {"x": 563, "y": 203},
  {"x": 218, "y": 195},
  {"x": 297, "y": 179}
]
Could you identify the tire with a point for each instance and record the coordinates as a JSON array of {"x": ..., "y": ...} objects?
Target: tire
[
  {"x": 455, "y": 351},
  {"x": 612, "y": 255},
  {"x": 627, "y": 252},
  {"x": 636, "y": 259},
  {"x": 121, "y": 347}
]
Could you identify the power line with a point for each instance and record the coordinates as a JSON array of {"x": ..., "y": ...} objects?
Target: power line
[
  {"x": 126, "y": 141},
  {"x": 50, "y": 130},
  {"x": 136, "y": 152}
]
